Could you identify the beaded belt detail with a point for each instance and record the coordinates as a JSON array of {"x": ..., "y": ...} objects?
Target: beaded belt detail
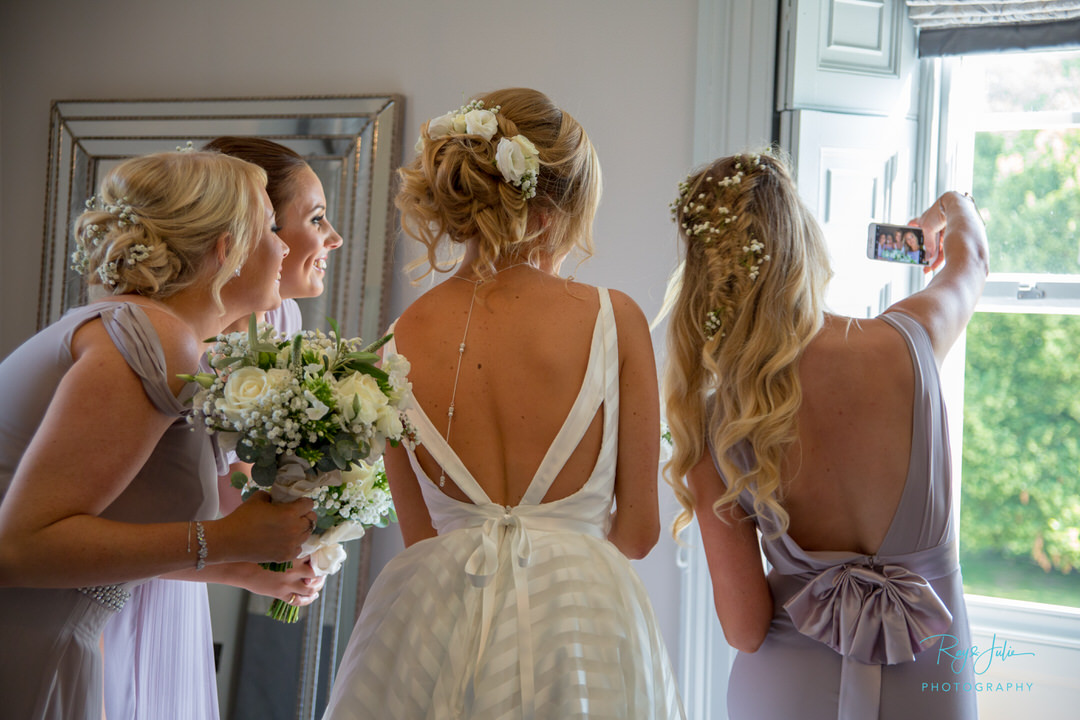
[{"x": 112, "y": 597}]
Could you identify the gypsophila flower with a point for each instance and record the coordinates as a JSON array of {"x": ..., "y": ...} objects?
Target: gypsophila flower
[
  {"x": 108, "y": 274},
  {"x": 137, "y": 253},
  {"x": 712, "y": 324}
]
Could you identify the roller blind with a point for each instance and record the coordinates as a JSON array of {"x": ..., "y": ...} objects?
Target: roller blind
[{"x": 958, "y": 27}]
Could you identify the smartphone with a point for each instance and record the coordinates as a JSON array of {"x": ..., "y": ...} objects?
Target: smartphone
[{"x": 896, "y": 243}]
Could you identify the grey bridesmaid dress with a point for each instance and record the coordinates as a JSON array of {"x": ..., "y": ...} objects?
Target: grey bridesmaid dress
[
  {"x": 51, "y": 665},
  {"x": 870, "y": 636}
]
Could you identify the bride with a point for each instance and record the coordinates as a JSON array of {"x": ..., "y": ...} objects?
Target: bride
[{"x": 537, "y": 408}]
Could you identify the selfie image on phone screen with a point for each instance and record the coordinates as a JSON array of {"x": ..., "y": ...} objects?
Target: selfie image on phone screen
[{"x": 896, "y": 243}]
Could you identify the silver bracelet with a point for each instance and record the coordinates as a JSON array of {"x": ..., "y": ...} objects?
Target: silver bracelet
[{"x": 200, "y": 537}]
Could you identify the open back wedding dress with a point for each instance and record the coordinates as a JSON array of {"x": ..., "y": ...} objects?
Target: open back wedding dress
[{"x": 514, "y": 612}]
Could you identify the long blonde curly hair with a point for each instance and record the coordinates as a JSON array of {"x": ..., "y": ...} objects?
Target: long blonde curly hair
[
  {"x": 745, "y": 302},
  {"x": 452, "y": 192}
]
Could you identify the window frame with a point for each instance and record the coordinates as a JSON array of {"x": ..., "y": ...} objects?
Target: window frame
[{"x": 1051, "y": 632}]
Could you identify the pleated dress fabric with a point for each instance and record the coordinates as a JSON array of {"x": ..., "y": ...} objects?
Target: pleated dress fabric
[
  {"x": 159, "y": 656},
  {"x": 514, "y": 612},
  {"x": 51, "y": 664},
  {"x": 853, "y": 636}
]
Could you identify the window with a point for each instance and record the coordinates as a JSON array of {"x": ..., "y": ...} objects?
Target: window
[{"x": 1015, "y": 130}]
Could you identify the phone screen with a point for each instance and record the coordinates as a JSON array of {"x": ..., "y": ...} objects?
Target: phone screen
[{"x": 896, "y": 243}]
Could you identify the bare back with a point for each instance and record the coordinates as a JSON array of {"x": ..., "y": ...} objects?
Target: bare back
[
  {"x": 847, "y": 471},
  {"x": 527, "y": 350}
]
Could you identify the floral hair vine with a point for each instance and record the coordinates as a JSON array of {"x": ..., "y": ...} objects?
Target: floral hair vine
[
  {"x": 706, "y": 230},
  {"x": 94, "y": 235},
  {"x": 517, "y": 158}
]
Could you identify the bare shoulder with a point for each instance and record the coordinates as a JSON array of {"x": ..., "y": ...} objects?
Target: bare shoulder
[
  {"x": 181, "y": 348},
  {"x": 848, "y": 350},
  {"x": 625, "y": 308},
  {"x": 422, "y": 311},
  {"x": 632, "y": 325}
]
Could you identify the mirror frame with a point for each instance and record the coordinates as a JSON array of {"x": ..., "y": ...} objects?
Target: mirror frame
[{"x": 353, "y": 142}]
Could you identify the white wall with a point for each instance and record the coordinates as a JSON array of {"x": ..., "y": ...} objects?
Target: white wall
[{"x": 624, "y": 68}]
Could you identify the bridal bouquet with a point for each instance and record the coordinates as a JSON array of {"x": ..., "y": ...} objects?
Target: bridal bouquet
[
  {"x": 344, "y": 511},
  {"x": 313, "y": 415}
]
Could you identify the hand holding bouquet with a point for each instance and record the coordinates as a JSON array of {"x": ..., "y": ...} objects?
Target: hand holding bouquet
[
  {"x": 344, "y": 511},
  {"x": 307, "y": 413}
]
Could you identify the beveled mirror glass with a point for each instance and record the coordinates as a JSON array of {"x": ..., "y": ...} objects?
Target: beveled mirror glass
[{"x": 353, "y": 143}]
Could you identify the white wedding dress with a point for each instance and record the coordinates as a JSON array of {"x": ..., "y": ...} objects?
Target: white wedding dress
[{"x": 514, "y": 612}]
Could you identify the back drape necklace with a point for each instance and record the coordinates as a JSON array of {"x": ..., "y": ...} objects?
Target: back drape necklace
[{"x": 461, "y": 352}]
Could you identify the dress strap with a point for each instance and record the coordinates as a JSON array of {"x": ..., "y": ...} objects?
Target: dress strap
[
  {"x": 594, "y": 391},
  {"x": 136, "y": 338}
]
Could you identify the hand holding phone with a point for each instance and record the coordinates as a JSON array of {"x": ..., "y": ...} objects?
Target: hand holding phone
[{"x": 896, "y": 243}]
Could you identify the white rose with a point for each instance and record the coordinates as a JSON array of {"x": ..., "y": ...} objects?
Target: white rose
[
  {"x": 389, "y": 422},
  {"x": 515, "y": 157},
  {"x": 245, "y": 389},
  {"x": 441, "y": 126},
  {"x": 459, "y": 123},
  {"x": 482, "y": 123},
  {"x": 278, "y": 378},
  {"x": 365, "y": 389}
]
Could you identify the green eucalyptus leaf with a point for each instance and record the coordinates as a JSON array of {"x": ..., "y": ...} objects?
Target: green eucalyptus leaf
[
  {"x": 246, "y": 452},
  {"x": 267, "y": 457},
  {"x": 263, "y": 475},
  {"x": 340, "y": 461},
  {"x": 238, "y": 480}
]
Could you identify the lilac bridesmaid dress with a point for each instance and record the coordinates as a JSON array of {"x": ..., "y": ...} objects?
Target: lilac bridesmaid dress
[
  {"x": 159, "y": 658},
  {"x": 870, "y": 636},
  {"x": 52, "y": 666}
]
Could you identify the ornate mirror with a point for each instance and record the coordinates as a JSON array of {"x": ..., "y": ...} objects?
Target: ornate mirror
[{"x": 265, "y": 669}]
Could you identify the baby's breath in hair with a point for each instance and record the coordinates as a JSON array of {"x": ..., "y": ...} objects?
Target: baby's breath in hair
[{"x": 704, "y": 219}]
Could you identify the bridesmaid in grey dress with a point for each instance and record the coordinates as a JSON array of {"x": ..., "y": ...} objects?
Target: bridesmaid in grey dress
[
  {"x": 104, "y": 484},
  {"x": 827, "y": 435},
  {"x": 183, "y": 673}
]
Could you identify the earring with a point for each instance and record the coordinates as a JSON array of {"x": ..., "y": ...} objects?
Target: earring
[{"x": 237, "y": 273}]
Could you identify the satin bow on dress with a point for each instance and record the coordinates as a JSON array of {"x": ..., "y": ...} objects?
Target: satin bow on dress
[{"x": 873, "y": 613}]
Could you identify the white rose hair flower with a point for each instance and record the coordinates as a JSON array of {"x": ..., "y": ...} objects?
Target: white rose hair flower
[
  {"x": 519, "y": 162},
  {"x": 481, "y": 122},
  {"x": 516, "y": 158}
]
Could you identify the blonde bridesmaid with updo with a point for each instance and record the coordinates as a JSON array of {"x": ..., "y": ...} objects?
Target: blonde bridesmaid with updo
[{"x": 104, "y": 483}]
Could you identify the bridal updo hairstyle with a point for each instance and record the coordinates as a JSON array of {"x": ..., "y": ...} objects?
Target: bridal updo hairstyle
[
  {"x": 746, "y": 301},
  {"x": 453, "y": 192},
  {"x": 154, "y": 225}
]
